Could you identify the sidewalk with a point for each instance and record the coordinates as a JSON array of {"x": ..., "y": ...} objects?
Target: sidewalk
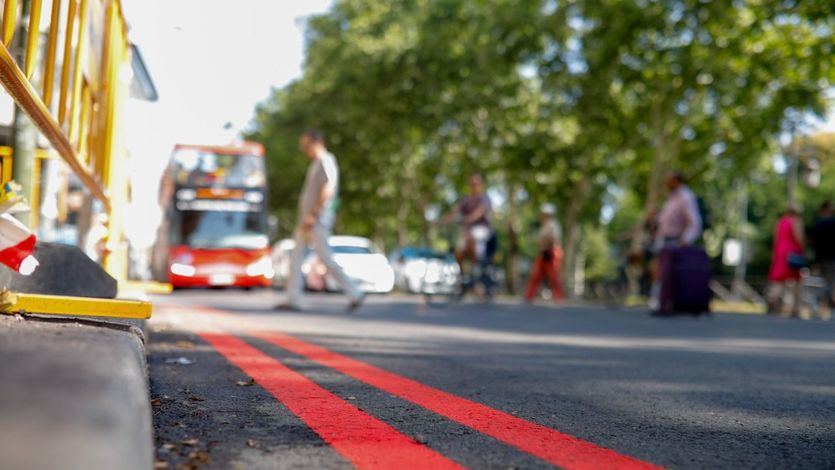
[{"x": 73, "y": 395}]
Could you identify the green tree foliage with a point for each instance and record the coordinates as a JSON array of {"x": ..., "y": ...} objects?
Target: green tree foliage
[{"x": 585, "y": 103}]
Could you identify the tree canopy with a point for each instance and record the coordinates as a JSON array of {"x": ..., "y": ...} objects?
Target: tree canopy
[{"x": 585, "y": 103}]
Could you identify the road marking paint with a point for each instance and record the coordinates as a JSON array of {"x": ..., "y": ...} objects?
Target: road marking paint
[
  {"x": 363, "y": 440},
  {"x": 545, "y": 443}
]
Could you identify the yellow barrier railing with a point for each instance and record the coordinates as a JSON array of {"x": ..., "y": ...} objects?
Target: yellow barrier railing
[
  {"x": 6, "y": 158},
  {"x": 74, "y": 93},
  {"x": 74, "y": 103},
  {"x": 5, "y": 164}
]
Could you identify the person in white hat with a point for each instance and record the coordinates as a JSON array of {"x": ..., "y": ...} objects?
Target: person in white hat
[{"x": 547, "y": 263}]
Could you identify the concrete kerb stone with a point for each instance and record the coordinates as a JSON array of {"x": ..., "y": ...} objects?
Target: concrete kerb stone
[{"x": 74, "y": 394}]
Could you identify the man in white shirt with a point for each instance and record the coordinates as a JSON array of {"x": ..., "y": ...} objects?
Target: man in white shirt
[{"x": 317, "y": 213}]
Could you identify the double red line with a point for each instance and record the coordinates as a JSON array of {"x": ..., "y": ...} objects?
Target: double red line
[
  {"x": 369, "y": 443},
  {"x": 365, "y": 441}
]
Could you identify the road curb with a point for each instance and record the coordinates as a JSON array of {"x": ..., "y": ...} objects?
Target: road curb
[{"x": 74, "y": 394}]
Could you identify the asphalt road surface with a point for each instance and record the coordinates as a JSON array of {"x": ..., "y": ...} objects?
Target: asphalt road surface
[{"x": 395, "y": 385}]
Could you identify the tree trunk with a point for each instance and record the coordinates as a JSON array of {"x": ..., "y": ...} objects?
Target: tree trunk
[
  {"x": 512, "y": 241},
  {"x": 571, "y": 233},
  {"x": 425, "y": 226},
  {"x": 402, "y": 231},
  {"x": 664, "y": 148}
]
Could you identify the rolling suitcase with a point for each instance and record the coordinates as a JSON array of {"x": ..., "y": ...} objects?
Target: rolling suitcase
[{"x": 691, "y": 280}]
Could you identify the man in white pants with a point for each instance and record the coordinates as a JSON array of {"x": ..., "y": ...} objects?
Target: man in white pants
[{"x": 317, "y": 211}]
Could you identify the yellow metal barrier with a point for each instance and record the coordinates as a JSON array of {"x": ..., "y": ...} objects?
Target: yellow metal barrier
[
  {"x": 5, "y": 164},
  {"x": 76, "y": 105},
  {"x": 81, "y": 122},
  {"x": 6, "y": 159}
]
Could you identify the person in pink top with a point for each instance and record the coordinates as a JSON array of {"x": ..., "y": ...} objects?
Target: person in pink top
[
  {"x": 679, "y": 225},
  {"x": 788, "y": 241}
]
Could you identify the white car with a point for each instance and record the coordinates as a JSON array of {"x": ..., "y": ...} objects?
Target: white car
[
  {"x": 360, "y": 259},
  {"x": 425, "y": 271}
]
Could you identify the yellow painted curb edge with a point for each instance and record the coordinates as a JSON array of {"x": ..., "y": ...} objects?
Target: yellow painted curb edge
[{"x": 74, "y": 306}]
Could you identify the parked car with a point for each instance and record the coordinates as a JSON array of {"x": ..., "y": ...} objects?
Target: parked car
[
  {"x": 360, "y": 259},
  {"x": 425, "y": 271}
]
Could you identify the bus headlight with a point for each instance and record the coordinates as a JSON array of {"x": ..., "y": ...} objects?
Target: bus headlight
[
  {"x": 180, "y": 269},
  {"x": 262, "y": 267},
  {"x": 254, "y": 197},
  {"x": 186, "y": 194}
]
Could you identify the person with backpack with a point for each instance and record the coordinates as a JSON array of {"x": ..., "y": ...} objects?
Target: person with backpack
[{"x": 679, "y": 228}]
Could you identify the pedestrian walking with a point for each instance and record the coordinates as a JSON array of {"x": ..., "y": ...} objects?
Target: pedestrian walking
[
  {"x": 787, "y": 260},
  {"x": 679, "y": 227},
  {"x": 318, "y": 202},
  {"x": 822, "y": 240},
  {"x": 549, "y": 259}
]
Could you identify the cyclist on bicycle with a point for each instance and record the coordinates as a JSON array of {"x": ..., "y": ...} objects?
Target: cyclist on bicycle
[{"x": 473, "y": 213}]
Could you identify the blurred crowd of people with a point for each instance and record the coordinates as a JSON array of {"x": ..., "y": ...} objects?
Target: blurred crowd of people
[{"x": 672, "y": 266}]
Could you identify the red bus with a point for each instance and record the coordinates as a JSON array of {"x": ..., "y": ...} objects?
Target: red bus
[{"x": 216, "y": 227}]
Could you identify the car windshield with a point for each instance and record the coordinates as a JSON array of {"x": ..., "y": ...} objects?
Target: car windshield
[
  {"x": 354, "y": 250},
  {"x": 192, "y": 167},
  {"x": 223, "y": 229},
  {"x": 426, "y": 253}
]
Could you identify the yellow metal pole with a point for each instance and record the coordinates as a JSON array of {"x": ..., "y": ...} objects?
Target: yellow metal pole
[
  {"x": 80, "y": 53},
  {"x": 115, "y": 155},
  {"x": 6, "y": 162},
  {"x": 34, "y": 34},
  {"x": 51, "y": 48},
  {"x": 84, "y": 128},
  {"x": 35, "y": 191},
  {"x": 9, "y": 20},
  {"x": 98, "y": 150},
  {"x": 65, "y": 66},
  {"x": 74, "y": 306}
]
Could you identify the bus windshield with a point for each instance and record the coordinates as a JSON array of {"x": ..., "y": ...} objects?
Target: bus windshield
[
  {"x": 194, "y": 167},
  {"x": 223, "y": 229}
]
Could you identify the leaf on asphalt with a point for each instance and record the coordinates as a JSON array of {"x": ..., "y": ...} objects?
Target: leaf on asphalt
[
  {"x": 169, "y": 446},
  {"x": 245, "y": 383},
  {"x": 184, "y": 344},
  {"x": 200, "y": 456},
  {"x": 196, "y": 398},
  {"x": 160, "y": 465},
  {"x": 156, "y": 402},
  {"x": 183, "y": 361},
  {"x": 190, "y": 442},
  {"x": 251, "y": 443}
]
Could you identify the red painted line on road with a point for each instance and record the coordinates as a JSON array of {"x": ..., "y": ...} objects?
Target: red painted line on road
[
  {"x": 545, "y": 443},
  {"x": 363, "y": 440}
]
